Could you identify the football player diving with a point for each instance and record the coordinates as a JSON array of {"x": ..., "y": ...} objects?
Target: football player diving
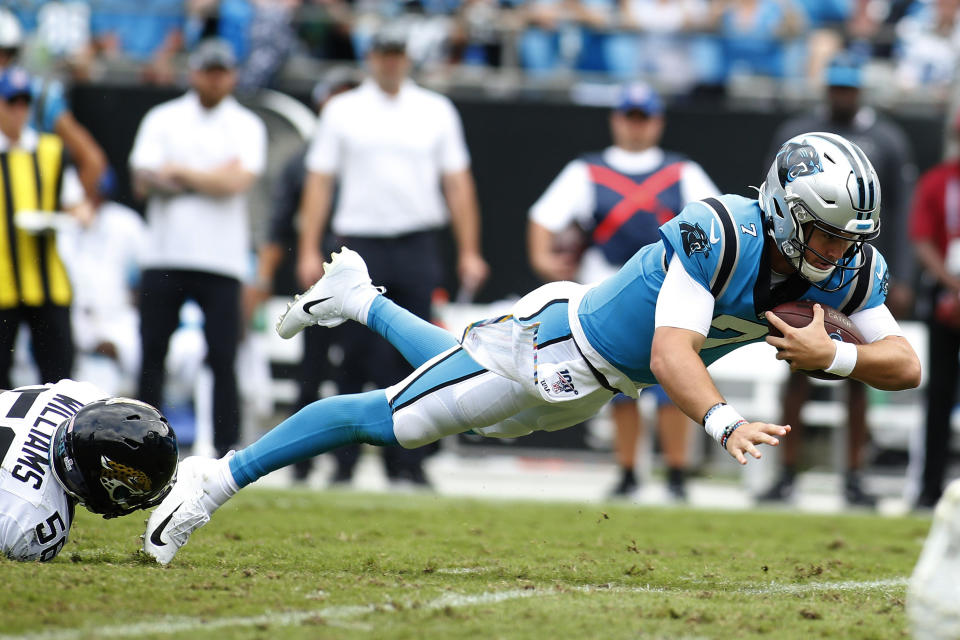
[
  {"x": 68, "y": 443},
  {"x": 705, "y": 289}
]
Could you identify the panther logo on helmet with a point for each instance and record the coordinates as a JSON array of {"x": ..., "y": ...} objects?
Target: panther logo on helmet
[
  {"x": 797, "y": 159},
  {"x": 694, "y": 239},
  {"x": 116, "y": 475}
]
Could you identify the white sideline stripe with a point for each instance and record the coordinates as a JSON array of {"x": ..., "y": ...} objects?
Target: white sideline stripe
[
  {"x": 849, "y": 585},
  {"x": 459, "y": 570},
  {"x": 336, "y": 615}
]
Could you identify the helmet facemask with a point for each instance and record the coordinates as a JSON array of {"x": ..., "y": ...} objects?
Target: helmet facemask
[{"x": 851, "y": 261}]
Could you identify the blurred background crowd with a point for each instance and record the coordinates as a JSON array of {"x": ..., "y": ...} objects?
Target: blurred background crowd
[
  {"x": 682, "y": 45},
  {"x": 200, "y": 202}
]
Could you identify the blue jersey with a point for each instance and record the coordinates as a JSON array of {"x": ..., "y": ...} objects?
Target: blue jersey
[{"x": 721, "y": 244}]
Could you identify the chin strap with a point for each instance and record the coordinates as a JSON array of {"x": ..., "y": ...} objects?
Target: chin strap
[{"x": 813, "y": 274}]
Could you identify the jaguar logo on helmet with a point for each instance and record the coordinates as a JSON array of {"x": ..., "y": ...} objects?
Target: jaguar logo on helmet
[
  {"x": 115, "y": 456},
  {"x": 122, "y": 481},
  {"x": 796, "y": 159},
  {"x": 694, "y": 239}
]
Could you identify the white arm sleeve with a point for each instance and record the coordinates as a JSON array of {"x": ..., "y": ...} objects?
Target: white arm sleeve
[
  {"x": 453, "y": 155},
  {"x": 325, "y": 152},
  {"x": 683, "y": 302},
  {"x": 71, "y": 190},
  {"x": 695, "y": 184},
  {"x": 148, "y": 145},
  {"x": 568, "y": 198},
  {"x": 876, "y": 323},
  {"x": 252, "y": 143}
]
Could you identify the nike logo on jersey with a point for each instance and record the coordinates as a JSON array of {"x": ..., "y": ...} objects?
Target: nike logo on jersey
[
  {"x": 714, "y": 238},
  {"x": 155, "y": 536},
  {"x": 313, "y": 303}
]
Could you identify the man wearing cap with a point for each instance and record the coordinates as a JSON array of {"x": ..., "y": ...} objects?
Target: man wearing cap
[
  {"x": 397, "y": 153},
  {"x": 34, "y": 286},
  {"x": 614, "y": 201},
  {"x": 887, "y": 147},
  {"x": 49, "y": 111},
  {"x": 195, "y": 159}
]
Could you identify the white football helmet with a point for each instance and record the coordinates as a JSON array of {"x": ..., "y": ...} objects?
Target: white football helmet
[
  {"x": 11, "y": 34},
  {"x": 823, "y": 179}
]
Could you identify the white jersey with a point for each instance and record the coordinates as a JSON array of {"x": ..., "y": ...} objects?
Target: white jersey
[{"x": 35, "y": 511}]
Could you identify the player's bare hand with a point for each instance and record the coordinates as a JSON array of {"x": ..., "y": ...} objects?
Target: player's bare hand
[
  {"x": 806, "y": 347},
  {"x": 747, "y": 436}
]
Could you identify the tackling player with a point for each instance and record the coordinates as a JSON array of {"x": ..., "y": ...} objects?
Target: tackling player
[
  {"x": 678, "y": 305},
  {"x": 68, "y": 443}
]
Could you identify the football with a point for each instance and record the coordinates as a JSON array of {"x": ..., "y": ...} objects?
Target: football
[{"x": 839, "y": 327}]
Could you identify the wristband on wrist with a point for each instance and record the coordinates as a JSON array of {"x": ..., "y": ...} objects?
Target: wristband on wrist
[
  {"x": 844, "y": 360},
  {"x": 728, "y": 431},
  {"x": 706, "y": 416},
  {"x": 718, "y": 418}
]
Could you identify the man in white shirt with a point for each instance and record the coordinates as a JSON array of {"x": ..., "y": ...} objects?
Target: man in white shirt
[
  {"x": 103, "y": 260},
  {"x": 195, "y": 158},
  {"x": 608, "y": 205},
  {"x": 397, "y": 153}
]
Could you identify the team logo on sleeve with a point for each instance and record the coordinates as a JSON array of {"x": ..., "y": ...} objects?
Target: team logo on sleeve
[
  {"x": 884, "y": 283},
  {"x": 795, "y": 160},
  {"x": 694, "y": 239}
]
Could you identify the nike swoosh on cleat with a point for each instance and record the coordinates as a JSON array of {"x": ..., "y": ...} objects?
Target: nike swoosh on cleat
[
  {"x": 313, "y": 303},
  {"x": 155, "y": 536}
]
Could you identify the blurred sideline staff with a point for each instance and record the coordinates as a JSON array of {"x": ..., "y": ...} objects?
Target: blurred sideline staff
[
  {"x": 103, "y": 260},
  {"x": 34, "y": 285},
  {"x": 935, "y": 234},
  {"x": 396, "y": 152},
  {"x": 314, "y": 364},
  {"x": 195, "y": 158}
]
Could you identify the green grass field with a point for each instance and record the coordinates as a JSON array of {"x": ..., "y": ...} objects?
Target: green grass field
[{"x": 306, "y": 564}]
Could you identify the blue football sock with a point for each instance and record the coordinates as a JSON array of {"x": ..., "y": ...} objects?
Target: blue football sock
[
  {"x": 416, "y": 339},
  {"x": 315, "y": 429}
]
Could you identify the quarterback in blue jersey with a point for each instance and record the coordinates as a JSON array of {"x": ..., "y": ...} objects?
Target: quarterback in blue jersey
[{"x": 706, "y": 288}]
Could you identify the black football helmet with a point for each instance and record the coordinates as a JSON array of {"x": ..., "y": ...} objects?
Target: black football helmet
[{"x": 115, "y": 456}]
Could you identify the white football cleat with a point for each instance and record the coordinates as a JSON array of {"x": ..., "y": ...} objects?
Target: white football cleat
[
  {"x": 181, "y": 512},
  {"x": 934, "y": 590},
  {"x": 341, "y": 294}
]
